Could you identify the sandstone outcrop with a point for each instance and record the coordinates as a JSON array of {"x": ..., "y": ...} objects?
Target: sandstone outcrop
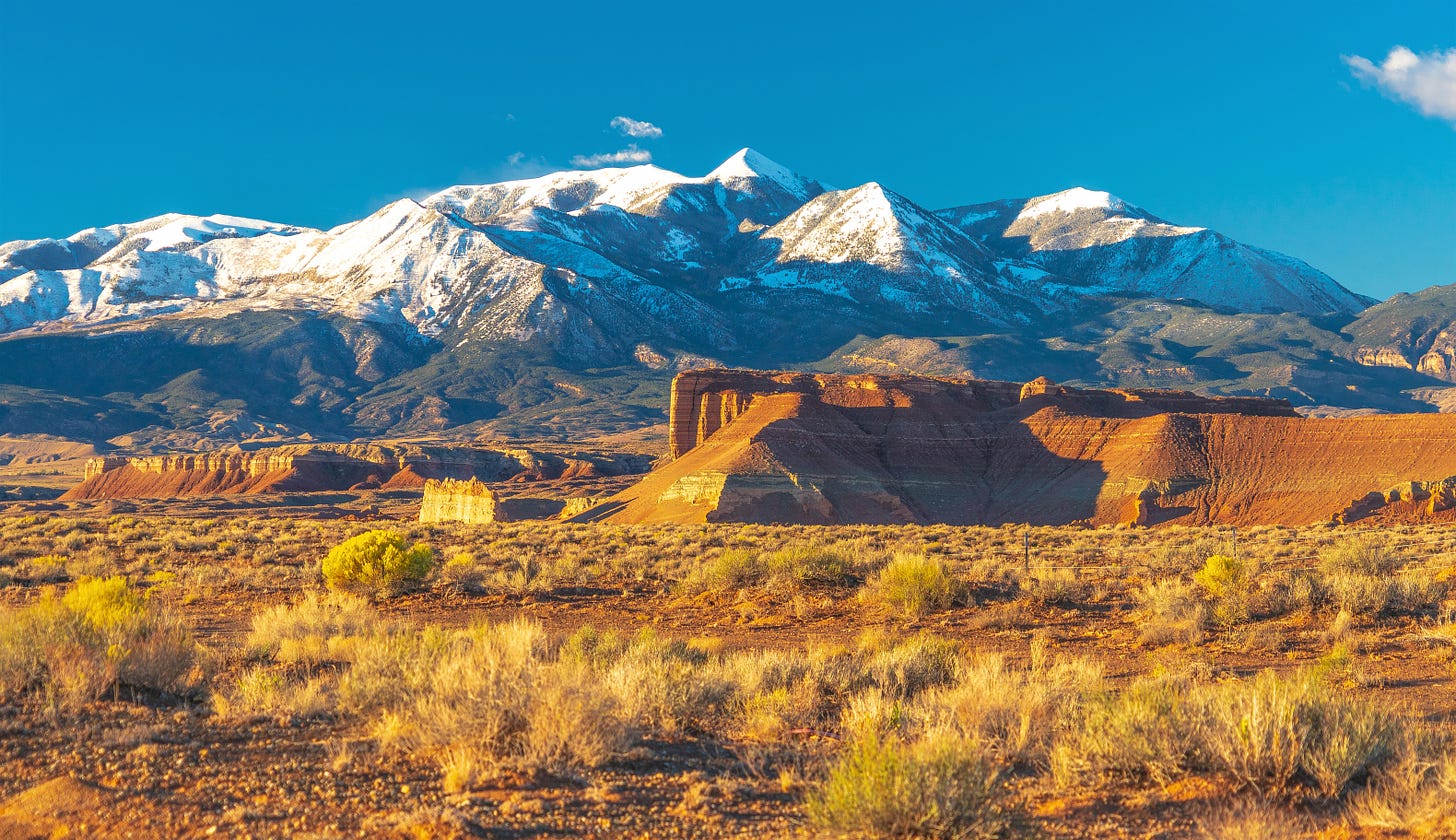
[
  {"x": 450, "y": 500},
  {"x": 343, "y": 466},
  {"x": 1427, "y": 501},
  {"x": 473, "y": 503},
  {"x": 814, "y": 448}
]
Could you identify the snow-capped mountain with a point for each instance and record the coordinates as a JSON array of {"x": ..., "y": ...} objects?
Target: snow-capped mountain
[
  {"x": 871, "y": 244},
  {"x": 546, "y": 303},
  {"x": 1113, "y": 246},
  {"x": 579, "y": 257}
]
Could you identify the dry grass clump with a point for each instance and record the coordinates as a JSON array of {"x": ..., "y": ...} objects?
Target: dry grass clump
[
  {"x": 487, "y": 699},
  {"x": 47, "y": 568},
  {"x": 1173, "y": 612},
  {"x": 912, "y": 585},
  {"x": 792, "y": 570},
  {"x": 1183, "y": 552},
  {"x": 1050, "y": 585},
  {"x": 1016, "y": 712},
  {"x": 1361, "y": 575},
  {"x": 935, "y": 786},
  {"x": 483, "y": 700},
  {"x": 314, "y": 629},
  {"x": 1253, "y": 819},
  {"x": 463, "y": 572},
  {"x": 102, "y": 634},
  {"x": 1413, "y": 794},
  {"x": 1264, "y": 733},
  {"x": 659, "y": 684}
]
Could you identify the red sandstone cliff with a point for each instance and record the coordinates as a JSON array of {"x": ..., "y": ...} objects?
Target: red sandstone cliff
[
  {"x": 787, "y": 447},
  {"x": 313, "y": 467}
]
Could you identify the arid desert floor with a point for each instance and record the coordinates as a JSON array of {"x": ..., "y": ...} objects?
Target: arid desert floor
[{"x": 195, "y": 674}]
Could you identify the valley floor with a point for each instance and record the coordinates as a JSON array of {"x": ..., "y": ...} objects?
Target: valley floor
[{"x": 566, "y": 680}]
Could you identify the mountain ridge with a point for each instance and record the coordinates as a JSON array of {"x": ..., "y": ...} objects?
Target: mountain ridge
[{"x": 538, "y": 305}]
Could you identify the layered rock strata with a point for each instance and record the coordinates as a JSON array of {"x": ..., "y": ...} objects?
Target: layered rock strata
[
  {"x": 809, "y": 448},
  {"x": 315, "y": 467}
]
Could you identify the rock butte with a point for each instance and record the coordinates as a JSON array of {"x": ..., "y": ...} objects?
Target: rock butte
[
  {"x": 473, "y": 503},
  {"x": 314, "y": 467},
  {"x": 812, "y": 448}
]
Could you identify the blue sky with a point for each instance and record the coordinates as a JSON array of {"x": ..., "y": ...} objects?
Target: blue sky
[{"x": 1241, "y": 116}]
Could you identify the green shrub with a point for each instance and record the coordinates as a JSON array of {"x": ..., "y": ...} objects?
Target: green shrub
[
  {"x": 1266, "y": 730},
  {"x": 463, "y": 571},
  {"x": 913, "y": 585},
  {"x": 1348, "y": 738},
  {"x": 933, "y": 787},
  {"x": 905, "y": 668},
  {"x": 1227, "y": 580},
  {"x": 520, "y": 576},
  {"x": 1222, "y": 575},
  {"x": 659, "y": 683},
  {"x": 1287, "y": 592},
  {"x": 1259, "y": 730},
  {"x": 377, "y": 562}
]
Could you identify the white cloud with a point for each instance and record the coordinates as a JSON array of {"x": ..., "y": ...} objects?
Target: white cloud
[
  {"x": 635, "y": 128},
  {"x": 1427, "y": 80},
  {"x": 519, "y": 165},
  {"x": 631, "y": 155}
]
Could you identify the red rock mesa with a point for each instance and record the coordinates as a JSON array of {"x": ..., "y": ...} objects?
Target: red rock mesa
[{"x": 815, "y": 448}]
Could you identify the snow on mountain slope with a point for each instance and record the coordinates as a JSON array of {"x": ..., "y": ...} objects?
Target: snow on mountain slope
[
  {"x": 1111, "y": 245},
  {"x": 653, "y": 222},
  {"x": 405, "y": 263},
  {"x": 167, "y": 232},
  {"x": 642, "y": 190},
  {"x": 173, "y": 232},
  {"x": 877, "y": 248},
  {"x": 604, "y": 259},
  {"x": 565, "y": 192}
]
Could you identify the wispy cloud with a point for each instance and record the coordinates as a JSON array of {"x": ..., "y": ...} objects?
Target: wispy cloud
[
  {"x": 631, "y": 154},
  {"x": 520, "y": 165},
  {"x": 635, "y": 128},
  {"x": 1425, "y": 80}
]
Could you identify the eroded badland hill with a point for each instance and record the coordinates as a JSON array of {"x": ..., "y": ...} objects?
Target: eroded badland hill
[{"x": 825, "y": 449}]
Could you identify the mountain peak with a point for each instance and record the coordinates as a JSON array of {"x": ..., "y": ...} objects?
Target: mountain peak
[
  {"x": 1074, "y": 200},
  {"x": 749, "y": 164}
]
